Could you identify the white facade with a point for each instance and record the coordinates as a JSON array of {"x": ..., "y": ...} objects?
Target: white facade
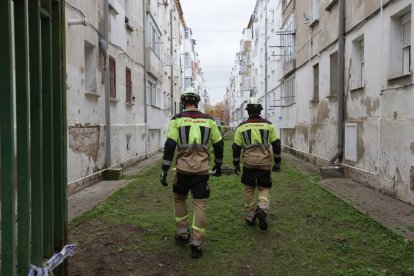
[
  {"x": 145, "y": 81},
  {"x": 191, "y": 67},
  {"x": 303, "y": 77},
  {"x": 258, "y": 72},
  {"x": 378, "y": 146}
]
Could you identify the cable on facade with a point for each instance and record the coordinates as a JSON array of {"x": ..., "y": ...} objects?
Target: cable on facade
[{"x": 83, "y": 15}]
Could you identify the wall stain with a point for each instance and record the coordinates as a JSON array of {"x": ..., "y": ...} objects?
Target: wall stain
[
  {"x": 323, "y": 112},
  {"x": 360, "y": 141},
  {"x": 371, "y": 105},
  {"x": 302, "y": 130},
  {"x": 313, "y": 140},
  {"x": 128, "y": 139},
  {"x": 84, "y": 140},
  {"x": 412, "y": 147}
]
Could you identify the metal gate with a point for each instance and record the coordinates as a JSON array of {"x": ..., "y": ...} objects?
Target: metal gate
[{"x": 32, "y": 134}]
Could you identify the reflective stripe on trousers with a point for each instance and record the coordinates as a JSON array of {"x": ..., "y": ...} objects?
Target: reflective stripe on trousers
[
  {"x": 264, "y": 197},
  {"x": 199, "y": 221},
  {"x": 180, "y": 213},
  {"x": 249, "y": 205}
]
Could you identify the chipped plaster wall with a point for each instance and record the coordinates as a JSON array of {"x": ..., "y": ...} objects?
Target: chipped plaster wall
[
  {"x": 385, "y": 118},
  {"x": 382, "y": 109},
  {"x": 85, "y": 112}
]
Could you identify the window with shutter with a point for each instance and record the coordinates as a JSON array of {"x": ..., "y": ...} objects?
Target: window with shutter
[
  {"x": 362, "y": 62},
  {"x": 112, "y": 77},
  {"x": 406, "y": 43},
  {"x": 334, "y": 74},
  {"x": 357, "y": 64},
  {"x": 128, "y": 85},
  {"x": 316, "y": 82}
]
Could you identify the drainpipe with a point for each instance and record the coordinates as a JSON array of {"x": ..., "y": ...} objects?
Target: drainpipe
[
  {"x": 341, "y": 80},
  {"x": 105, "y": 48},
  {"x": 145, "y": 78}
]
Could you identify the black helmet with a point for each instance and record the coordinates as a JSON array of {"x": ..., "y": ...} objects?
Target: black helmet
[
  {"x": 190, "y": 96},
  {"x": 254, "y": 105}
]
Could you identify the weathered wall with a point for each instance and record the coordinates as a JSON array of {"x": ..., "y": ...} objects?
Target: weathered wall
[
  {"x": 86, "y": 111},
  {"x": 381, "y": 107}
]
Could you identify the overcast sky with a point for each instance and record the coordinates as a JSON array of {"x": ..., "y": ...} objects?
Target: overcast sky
[{"x": 217, "y": 27}]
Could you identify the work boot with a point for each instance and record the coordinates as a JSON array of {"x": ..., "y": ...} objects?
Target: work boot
[
  {"x": 251, "y": 223},
  {"x": 182, "y": 240},
  {"x": 196, "y": 251},
  {"x": 261, "y": 215}
]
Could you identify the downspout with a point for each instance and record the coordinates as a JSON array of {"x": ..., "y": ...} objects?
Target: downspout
[
  {"x": 105, "y": 49},
  {"x": 145, "y": 78},
  {"x": 341, "y": 82}
]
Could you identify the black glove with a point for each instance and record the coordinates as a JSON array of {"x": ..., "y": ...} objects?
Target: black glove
[
  {"x": 276, "y": 167},
  {"x": 163, "y": 178},
  {"x": 217, "y": 170},
  {"x": 236, "y": 169}
]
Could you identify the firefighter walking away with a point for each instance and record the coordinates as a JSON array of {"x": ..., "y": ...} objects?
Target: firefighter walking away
[
  {"x": 191, "y": 132},
  {"x": 254, "y": 137}
]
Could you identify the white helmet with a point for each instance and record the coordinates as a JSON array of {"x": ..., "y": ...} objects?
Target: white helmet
[
  {"x": 254, "y": 105},
  {"x": 190, "y": 95}
]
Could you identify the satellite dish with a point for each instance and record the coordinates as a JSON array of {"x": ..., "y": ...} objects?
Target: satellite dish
[{"x": 169, "y": 60}]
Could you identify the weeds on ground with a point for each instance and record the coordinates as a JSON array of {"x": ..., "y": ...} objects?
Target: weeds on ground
[{"x": 310, "y": 231}]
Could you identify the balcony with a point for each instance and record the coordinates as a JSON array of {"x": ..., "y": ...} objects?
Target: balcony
[
  {"x": 247, "y": 84},
  {"x": 154, "y": 64},
  {"x": 289, "y": 66}
]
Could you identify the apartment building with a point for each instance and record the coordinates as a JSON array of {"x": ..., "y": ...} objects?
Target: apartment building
[
  {"x": 257, "y": 71},
  {"x": 142, "y": 55},
  {"x": 351, "y": 74}
]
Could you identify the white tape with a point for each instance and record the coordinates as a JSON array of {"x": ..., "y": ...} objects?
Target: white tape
[{"x": 53, "y": 262}]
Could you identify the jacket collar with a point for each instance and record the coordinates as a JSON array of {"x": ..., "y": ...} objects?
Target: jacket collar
[{"x": 191, "y": 109}]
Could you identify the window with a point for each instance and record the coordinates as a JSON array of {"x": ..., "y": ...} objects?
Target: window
[
  {"x": 406, "y": 43},
  {"x": 333, "y": 78},
  {"x": 128, "y": 85},
  {"x": 315, "y": 11},
  {"x": 289, "y": 91},
  {"x": 357, "y": 64},
  {"x": 152, "y": 94},
  {"x": 187, "y": 82},
  {"x": 400, "y": 44},
  {"x": 112, "y": 77},
  {"x": 187, "y": 61},
  {"x": 158, "y": 97},
  {"x": 154, "y": 38},
  {"x": 90, "y": 68},
  {"x": 316, "y": 82},
  {"x": 187, "y": 33},
  {"x": 287, "y": 39}
]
